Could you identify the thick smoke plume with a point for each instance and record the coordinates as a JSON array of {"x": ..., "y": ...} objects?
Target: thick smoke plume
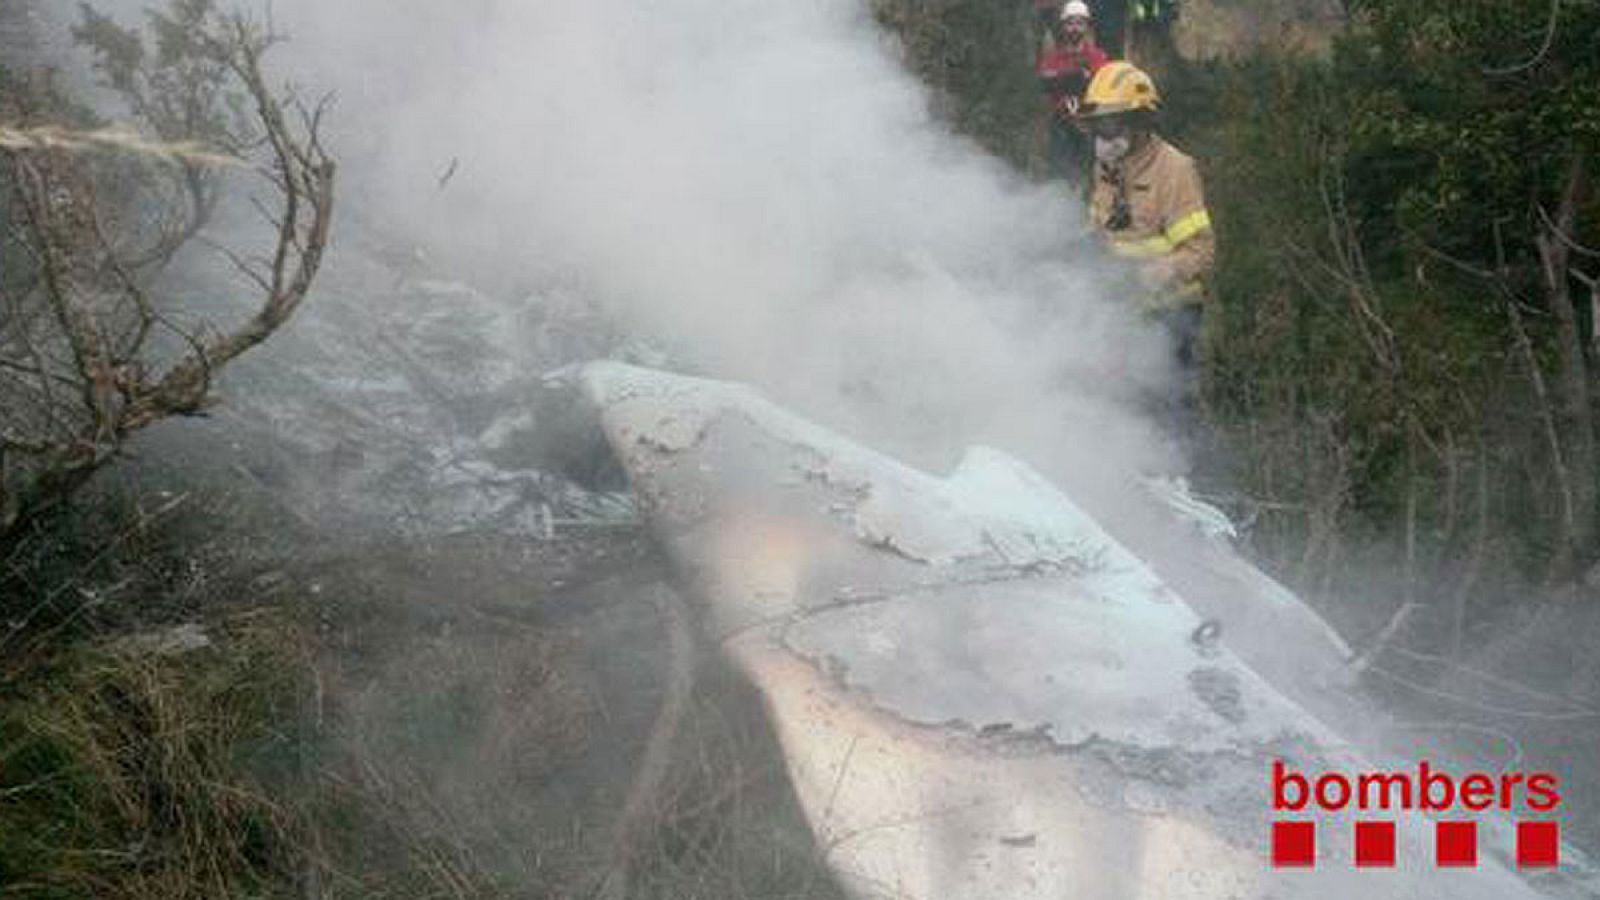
[{"x": 762, "y": 187}]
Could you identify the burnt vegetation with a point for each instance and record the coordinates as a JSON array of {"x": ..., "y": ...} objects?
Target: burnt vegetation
[{"x": 1402, "y": 370}]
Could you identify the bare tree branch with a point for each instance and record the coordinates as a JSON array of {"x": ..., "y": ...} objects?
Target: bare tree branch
[
  {"x": 95, "y": 225},
  {"x": 1544, "y": 48}
]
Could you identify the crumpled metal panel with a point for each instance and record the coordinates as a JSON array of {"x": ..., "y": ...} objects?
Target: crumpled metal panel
[
  {"x": 1048, "y": 657},
  {"x": 979, "y": 692}
]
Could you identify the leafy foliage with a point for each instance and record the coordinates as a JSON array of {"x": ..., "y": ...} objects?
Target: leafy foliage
[
  {"x": 1482, "y": 101},
  {"x": 1397, "y": 372},
  {"x": 1398, "y": 364},
  {"x": 977, "y": 56}
]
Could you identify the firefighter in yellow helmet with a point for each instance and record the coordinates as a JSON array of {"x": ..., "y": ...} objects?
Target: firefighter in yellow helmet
[{"x": 1147, "y": 202}]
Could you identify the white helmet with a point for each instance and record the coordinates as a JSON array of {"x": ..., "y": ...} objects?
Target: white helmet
[{"x": 1075, "y": 9}]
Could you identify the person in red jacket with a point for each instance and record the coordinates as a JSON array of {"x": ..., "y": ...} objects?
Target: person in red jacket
[{"x": 1064, "y": 67}]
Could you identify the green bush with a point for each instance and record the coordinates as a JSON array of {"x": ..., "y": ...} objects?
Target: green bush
[{"x": 1393, "y": 364}]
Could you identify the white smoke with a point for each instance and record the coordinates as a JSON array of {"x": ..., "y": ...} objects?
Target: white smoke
[{"x": 759, "y": 183}]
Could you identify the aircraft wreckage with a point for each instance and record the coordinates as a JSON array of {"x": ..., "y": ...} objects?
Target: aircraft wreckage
[{"x": 981, "y": 694}]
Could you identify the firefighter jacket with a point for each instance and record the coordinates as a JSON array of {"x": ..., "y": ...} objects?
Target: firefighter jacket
[
  {"x": 1064, "y": 71},
  {"x": 1151, "y": 209}
]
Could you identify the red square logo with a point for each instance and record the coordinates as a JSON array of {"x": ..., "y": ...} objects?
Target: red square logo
[
  {"x": 1456, "y": 843},
  {"x": 1375, "y": 844},
  {"x": 1538, "y": 845},
  {"x": 1294, "y": 845}
]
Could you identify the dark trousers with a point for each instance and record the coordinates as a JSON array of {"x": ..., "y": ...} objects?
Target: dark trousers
[{"x": 1179, "y": 411}]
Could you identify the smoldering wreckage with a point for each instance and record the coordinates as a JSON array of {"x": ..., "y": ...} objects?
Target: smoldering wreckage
[
  {"x": 981, "y": 693},
  {"x": 978, "y": 691}
]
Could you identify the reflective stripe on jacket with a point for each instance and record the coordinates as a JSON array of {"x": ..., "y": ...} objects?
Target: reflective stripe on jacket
[{"x": 1162, "y": 221}]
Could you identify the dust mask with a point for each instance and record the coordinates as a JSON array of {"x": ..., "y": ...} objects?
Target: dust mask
[{"x": 1109, "y": 150}]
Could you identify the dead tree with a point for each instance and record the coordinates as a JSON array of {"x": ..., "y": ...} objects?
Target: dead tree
[
  {"x": 88, "y": 354},
  {"x": 1582, "y": 485}
]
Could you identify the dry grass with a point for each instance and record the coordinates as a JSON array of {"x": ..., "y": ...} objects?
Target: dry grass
[
  {"x": 128, "y": 773},
  {"x": 353, "y": 731}
]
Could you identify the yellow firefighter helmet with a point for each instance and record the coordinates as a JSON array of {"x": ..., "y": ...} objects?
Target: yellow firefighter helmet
[{"x": 1119, "y": 87}]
